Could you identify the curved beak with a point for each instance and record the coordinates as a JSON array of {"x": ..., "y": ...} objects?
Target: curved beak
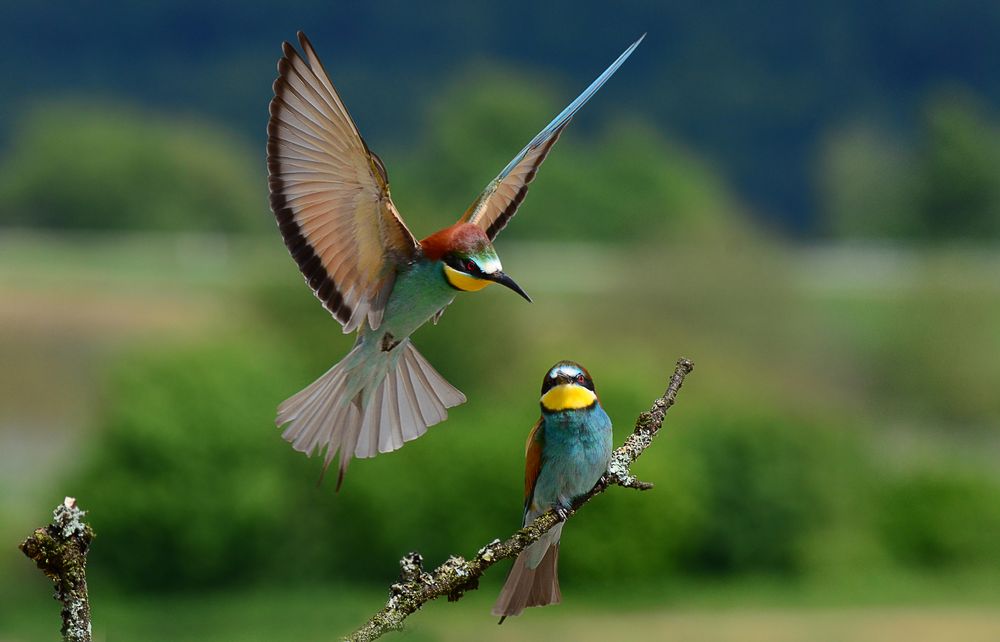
[{"x": 503, "y": 279}]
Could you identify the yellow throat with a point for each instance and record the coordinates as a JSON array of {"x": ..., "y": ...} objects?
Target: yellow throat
[
  {"x": 463, "y": 281},
  {"x": 567, "y": 396}
]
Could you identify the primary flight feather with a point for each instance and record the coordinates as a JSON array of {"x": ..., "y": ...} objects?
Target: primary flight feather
[{"x": 330, "y": 195}]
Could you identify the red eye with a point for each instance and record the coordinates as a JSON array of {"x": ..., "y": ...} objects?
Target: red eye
[
  {"x": 470, "y": 266},
  {"x": 579, "y": 379}
]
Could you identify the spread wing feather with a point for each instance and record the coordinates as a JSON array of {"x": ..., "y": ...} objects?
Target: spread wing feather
[
  {"x": 330, "y": 194},
  {"x": 499, "y": 201}
]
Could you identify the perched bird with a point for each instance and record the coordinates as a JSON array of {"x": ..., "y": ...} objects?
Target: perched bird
[
  {"x": 567, "y": 452},
  {"x": 330, "y": 195}
]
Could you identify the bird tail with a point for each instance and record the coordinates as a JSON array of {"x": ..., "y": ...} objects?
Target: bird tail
[
  {"x": 369, "y": 403},
  {"x": 534, "y": 578}
]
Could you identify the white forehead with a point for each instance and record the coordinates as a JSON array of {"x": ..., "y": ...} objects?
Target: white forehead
[
  {"x": 489, "y": 264},
  {"x": 566, "y": 370}
]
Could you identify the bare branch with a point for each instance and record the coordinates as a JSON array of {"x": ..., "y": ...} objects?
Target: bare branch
[
  {"x": 60, "y": 551},
  {"x": 456, "y": 575}
]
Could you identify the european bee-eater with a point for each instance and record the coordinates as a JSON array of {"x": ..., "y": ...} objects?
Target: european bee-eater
[
  {"x": 567, "y": 452},
  {"x": 330, "y": 194}
]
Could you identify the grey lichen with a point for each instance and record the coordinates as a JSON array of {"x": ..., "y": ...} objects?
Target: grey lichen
[
  {"x": 486, "y": 552},
  {"x": 456, "y": 575},
  {"x": 60, "y": 551},
  {"x": 618, "y": 470},
  {"x": 67, "y": 516},
  {"x": 411, "y": 566}
]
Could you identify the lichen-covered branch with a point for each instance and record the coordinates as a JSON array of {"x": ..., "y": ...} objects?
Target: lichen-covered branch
[
  {"x": 60, "y": 551},
  {"x": 456, "y": 575}
]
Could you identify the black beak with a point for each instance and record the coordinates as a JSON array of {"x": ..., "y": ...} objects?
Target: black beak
[{"x": 503, "y": 279}]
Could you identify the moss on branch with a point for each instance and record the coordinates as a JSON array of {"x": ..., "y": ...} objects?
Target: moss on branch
[{"x": 60, "y": 551}]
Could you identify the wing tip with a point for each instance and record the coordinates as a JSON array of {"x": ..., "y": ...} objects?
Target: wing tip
[{"x": 610, "y": 71}]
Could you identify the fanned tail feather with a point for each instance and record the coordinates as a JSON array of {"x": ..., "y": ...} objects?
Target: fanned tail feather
[{"x": 367, "y": 404}]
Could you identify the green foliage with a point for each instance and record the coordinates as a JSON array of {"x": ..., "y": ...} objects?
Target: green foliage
[
  {"x": 198, "y": 490},
  {"x": 940, "y": 519},
  {"x": 958, "y": 194},
  {"x": 866, "y": 187},
  {"x": 944, "y": 187},
  {"x": 193, "y": 489},
  {"x": 930, "y": 345},
  {"x": 755, "y": 87},
  {"x": 762, "y": 467},
  {"x": 104, "y": 167},
  {"x": 768, "y": 484}
]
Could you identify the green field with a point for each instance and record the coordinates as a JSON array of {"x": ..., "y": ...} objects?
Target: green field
[{"x": 737, "y": 612}]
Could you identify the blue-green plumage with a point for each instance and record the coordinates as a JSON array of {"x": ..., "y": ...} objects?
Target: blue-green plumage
[
  {"x": 567, "y": 453},
  {"x": 420, "y": 291},
  {"x": 576, "y": 448}
]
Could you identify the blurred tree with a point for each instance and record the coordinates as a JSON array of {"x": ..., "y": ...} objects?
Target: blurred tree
[
  {"x": 865, "y": 185},
  {"x": 753, "y": 85},
  {"x": 93, "y": 166},
  {"x": 958, "y": 186},
  {"x": 945, "y": 188}
]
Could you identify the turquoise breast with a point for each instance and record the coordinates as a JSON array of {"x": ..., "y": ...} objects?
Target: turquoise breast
[
  {"x": 419, "y": 292},
  {"x": 575, "y": 454}
]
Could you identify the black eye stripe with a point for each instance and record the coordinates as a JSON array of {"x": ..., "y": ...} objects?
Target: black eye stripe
[
  {"x": 559, "y": 376},
  {"x": 466, "y": 265}
]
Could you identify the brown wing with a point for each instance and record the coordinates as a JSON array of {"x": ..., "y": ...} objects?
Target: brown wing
[
  {"x": 499, "y": 201},
  {"x": 330, "y": 194},
  {"x": 532, "y": 461}
]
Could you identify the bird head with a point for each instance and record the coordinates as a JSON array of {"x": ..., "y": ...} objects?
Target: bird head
[
  {"x": 469, "y": 261},
  {"x": 567, "y": 386}
]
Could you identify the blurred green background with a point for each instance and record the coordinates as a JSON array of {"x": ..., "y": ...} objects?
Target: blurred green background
[{"x": 803, "y": 200}]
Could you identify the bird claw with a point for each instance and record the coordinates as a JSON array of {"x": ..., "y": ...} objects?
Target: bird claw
[{"x": 562, "y": 513}]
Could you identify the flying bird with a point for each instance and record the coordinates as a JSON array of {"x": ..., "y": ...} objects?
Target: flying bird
[
  {"x": 330, "y": 195},
  {"x": 567, "y": 452}
]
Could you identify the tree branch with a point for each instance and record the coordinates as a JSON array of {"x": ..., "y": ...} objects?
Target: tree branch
[
  {"x": 457, "y": 575},
  {"x": 60, "y": 551}
]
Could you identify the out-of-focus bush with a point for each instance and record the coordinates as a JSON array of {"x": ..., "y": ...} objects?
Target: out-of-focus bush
[
  {"x": 768, "y": 486},
  {"x": 929, "y": 348},
  {"x": 195, "y": 488},
  {"x": 187, "y": 472},
  {"x": 107, "y": 167},
  {"x": 958, "y": 189},
  {"x": 866, "y": 185},
  {"x": 940, "y": 519},
  {"x": 943, "y": 186}
]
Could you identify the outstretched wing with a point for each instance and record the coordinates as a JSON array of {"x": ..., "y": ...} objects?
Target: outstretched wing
[
  {"x": 330, "y": 194},
  {"x": 501, "y": 198},
  {"x": 532, "y": 462}
]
